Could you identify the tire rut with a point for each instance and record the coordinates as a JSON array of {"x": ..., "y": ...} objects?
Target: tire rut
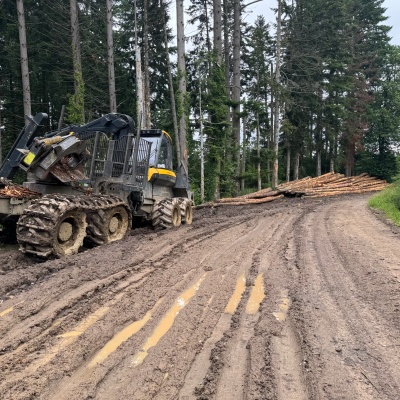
[{"x": 289, "y": 301}]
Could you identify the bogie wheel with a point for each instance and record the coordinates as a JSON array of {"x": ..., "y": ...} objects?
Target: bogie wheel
[
  {"x": 117, "y": 223},
  {"x": 70, "y": 230},
  {"x": 186, "y": 211},
  {"x": 167, "y": 213},
  {"x": 176, "y": 216}
]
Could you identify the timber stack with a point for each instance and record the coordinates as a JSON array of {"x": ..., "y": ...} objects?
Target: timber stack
[{"x": 330, "y": 184}]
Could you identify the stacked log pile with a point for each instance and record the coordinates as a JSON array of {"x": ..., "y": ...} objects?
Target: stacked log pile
[{"x": 330, "y": 184}]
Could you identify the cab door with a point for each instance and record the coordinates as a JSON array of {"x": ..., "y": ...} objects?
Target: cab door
[{"x": 161, "y": 172}]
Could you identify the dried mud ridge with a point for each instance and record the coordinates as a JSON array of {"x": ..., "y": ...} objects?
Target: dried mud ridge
[{"x": 287, "y": 300}]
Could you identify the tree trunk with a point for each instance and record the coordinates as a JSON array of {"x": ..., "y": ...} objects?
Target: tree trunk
[
  {"x": 139, "y": 81},
  {"x": 228, "y": 133},
  {"x": 171, "y": 83},
  {"x": 1, "y": 134},
  {"x": 271, "y": 132},
  {"x": 331, "y": 156},
  {"x": 182, "y": 80},
  {"x": 277, "y": 100},
  {"x": 350, "y": 154},
  {"x": 26, "y": 90},
  {"x": 217, "y": 194},
  {"x": 110, "y": 52},
  {"x": 318, "y": 154},
  {"x": 244, "y": 149},
  {"x": 258, "y": 153},
  {"x": 236, "y": 89},
  {"x": 146, "y": 70},
  {"x": 296, "y": 166},
  {"x": 318, "y": 134},
  {"x": 217, "y": 30},
  {"x": 227, "y": 54},
  {"x": 78, "y": 108},
  {"x": 201, "y": 147},
  {"x": 288, "y": 155}
]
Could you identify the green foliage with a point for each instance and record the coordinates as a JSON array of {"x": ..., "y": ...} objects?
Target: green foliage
[
  {"x": 383, "y": 166},
  {"x": 76, "y": 103},
  {"x": 340, "y": 82},
  {"x": 388, "y": 201}
]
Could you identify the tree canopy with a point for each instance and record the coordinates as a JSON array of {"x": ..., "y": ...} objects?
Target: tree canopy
[{"x": 338, "y": 93}]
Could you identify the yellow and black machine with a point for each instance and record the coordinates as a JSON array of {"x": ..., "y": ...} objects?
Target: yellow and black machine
[{"x": 91, "y": 182}]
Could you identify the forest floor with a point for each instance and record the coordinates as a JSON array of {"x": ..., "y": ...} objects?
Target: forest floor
[{"x": 295, "y": 299}]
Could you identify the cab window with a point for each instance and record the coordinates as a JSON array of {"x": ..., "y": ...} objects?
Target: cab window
[{"x": 165, "y": 156}]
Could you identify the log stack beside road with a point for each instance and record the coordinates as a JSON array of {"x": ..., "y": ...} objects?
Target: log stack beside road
[{"x": 330, "y": 184}]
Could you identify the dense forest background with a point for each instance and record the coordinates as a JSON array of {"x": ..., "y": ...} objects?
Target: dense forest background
[{"x": 255, "y": 104}]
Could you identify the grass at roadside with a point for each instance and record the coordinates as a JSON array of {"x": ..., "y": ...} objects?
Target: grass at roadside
[{"x": 388, "y": 201}]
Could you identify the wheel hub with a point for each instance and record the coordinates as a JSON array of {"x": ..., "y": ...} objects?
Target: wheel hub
[
  {"x": 65, "y": 231},
  {"x": 114, "y": 223}
]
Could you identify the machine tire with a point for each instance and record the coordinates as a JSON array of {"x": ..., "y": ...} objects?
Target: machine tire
[
  {"x": 100, "y": 215},
  {"x": 186, "y": 211},
  {"x": 167, "y": 213},
  {"x": 70, "y": 230},
  {"x": 95, "y": 228},
  {"x": 56, "y": 225},
  {"x": 117, "y": 223},
  {"x": 52, "y": 225}
]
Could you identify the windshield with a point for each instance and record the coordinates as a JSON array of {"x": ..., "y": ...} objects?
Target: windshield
[{"x": 153, "y": 150}]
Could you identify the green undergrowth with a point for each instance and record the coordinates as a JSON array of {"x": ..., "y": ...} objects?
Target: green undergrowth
[{"x": 388, "y": 201}]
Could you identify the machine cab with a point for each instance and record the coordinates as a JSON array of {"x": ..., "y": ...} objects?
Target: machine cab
[{"x": 161, "y": 156}]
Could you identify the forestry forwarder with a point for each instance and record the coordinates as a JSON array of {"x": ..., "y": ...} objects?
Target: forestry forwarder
[{"x": 90, "y": 182}]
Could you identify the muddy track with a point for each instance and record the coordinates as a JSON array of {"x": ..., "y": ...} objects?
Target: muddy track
[{"x": 288, "y": 300}]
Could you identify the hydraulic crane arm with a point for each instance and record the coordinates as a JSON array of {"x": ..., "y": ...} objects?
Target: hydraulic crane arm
[
  {"x": 113, "y": 125},
  {"x": 11, "y": 163}
]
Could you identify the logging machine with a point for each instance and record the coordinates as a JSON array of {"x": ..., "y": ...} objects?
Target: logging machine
[{"x": 90, "y": 182}]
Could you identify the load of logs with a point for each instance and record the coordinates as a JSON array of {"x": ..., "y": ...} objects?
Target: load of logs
[{"x": 330, "y": 184}]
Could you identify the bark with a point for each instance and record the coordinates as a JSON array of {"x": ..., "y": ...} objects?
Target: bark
[
  {"x": 288, "y": 155},
  {"x": 77, "y": 62},
  {"x": 110, "y": 53},
  {"x": 227, "y": 53},
  {"x": 277, "y": 100},
  {"x": 331, "y": 157},
  {"x": 1, "y": 133},
  {"x": 318, "y": 138},
  {"x": 170, "y": 82},
  {"x": 318, "y": 157},
  {"x": 201, "y": 147},
  {"x": 227, "y": 79},
  {"x": 236, "y": 89},
  {"x": 217, "y": 29},
  {"x": 296, "y": 166},
  {"x": 182, "y": 80},
  {"x": 350, "y": 154},
  {"x": 258, "y": 153},
  {"x": 217, "y": 194},
  {"x": 139, "y": 81},
  {"x": 146, "y": 71},
  {"x": 243, "y": 165},
  {"x": 26, "y": 90},
  {"x": 272, "y": 130}
]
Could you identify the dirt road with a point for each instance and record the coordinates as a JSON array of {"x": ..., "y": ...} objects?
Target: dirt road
[{"x": 288, "y": 300}]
